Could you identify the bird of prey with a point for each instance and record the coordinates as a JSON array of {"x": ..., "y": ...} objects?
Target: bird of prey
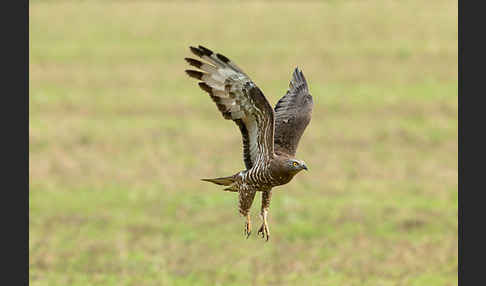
[{"x": 270, "y": 136}]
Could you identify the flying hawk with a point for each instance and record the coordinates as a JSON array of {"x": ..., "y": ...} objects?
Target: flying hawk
[{"x": 270, "y": 136}]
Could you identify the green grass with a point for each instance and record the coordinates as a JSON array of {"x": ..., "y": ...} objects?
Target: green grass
[{"x": 119, "y": 138}]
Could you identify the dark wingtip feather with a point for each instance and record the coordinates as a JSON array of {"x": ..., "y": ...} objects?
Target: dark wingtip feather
[
  {"x": 296, "y": 71},
  {"x": 302, "y": 77},
  {"x": 205, "y": 51},
  {"x": 194, "y": 74},
  {"x": 298, "y": 76},
  {"x": 205, "y": 87},
  {"x": 196, "y": 51},
  {"x": 193, "y": 62},
  {"x": 222, "y": 58},
  {"x": 298, "y": 80}
]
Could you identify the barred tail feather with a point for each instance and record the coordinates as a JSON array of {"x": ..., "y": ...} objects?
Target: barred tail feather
[{"x": 224, "y": 181}]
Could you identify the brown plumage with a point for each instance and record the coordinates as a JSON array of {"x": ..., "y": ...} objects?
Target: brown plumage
[{"x": 270, "y": 137}]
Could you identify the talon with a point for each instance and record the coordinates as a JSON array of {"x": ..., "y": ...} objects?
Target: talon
[
  {"x": 261, "y": 231},
  {"x": 264, "y": 232}
]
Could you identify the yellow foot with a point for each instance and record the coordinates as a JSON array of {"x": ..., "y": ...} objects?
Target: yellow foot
[
  {"x": 264, "y": 231},
  {"x": 248, "y": 226}
]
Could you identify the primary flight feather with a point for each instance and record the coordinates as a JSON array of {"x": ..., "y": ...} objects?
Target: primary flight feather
[{"x": 270, "y": 136}]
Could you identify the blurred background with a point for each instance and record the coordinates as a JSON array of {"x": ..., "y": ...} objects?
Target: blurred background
[{"x": 120, "y": 136}]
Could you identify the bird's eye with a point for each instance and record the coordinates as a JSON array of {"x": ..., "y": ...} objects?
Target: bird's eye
[{"x": 295, "y": 164}]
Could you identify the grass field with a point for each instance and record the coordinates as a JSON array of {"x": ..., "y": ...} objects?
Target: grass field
[{"x": 119, "y": 138}]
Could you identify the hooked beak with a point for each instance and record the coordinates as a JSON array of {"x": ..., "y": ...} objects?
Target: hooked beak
[{"x": 305, "y": 167}]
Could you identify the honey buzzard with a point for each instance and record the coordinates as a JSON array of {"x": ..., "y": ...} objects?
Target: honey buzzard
[{"x": 270, "y": 136}]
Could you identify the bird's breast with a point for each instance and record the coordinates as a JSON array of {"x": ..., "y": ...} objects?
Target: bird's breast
[{"x": 282, "y": 180}]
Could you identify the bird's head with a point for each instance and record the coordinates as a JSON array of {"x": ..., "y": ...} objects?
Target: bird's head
[{"x": 296, "y": 165}]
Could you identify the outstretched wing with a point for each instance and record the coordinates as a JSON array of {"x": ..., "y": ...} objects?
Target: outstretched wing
[
  {"x": 238, "y": 99},
  {"x": 292, "y": 114}
]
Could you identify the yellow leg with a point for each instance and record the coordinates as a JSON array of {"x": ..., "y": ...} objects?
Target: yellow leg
[
  {"x": 245, "y": 199},
  {"x": 264, "y": 230},
  {"x": 248, "y": 226}
]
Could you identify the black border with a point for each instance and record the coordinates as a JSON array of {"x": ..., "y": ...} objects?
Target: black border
[
  {"x": 15, "y": 143},
  {"x": 471, "y": 118}
]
